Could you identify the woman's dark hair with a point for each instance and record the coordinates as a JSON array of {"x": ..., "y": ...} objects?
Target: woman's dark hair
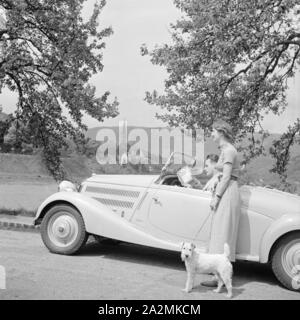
[
  {"x": 213, "y": 157},
  {"x": 225, "y": 128}
]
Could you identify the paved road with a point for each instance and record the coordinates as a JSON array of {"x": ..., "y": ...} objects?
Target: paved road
[{"x": 115, "y": 272}]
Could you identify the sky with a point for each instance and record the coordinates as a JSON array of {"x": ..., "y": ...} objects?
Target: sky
[{"x": 128, "y": 75}]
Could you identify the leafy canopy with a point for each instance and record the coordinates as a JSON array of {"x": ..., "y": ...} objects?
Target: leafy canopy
[
  {"x": 230, "y": 59},
  {"x": 48, "y": 55}
]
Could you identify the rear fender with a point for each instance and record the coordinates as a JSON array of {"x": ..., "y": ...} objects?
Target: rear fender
[{"x": 285, "y": 224}]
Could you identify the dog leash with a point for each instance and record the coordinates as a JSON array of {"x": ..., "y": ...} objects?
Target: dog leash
[
  {"x": 212, "y": 217},
  {"x": 210, "y": 214}
]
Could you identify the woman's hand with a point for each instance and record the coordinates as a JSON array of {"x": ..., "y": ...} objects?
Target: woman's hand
[{"x": 214, "y": 203}]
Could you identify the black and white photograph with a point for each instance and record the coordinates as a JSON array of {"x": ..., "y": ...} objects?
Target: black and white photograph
[{"x": 150, "y": 151}]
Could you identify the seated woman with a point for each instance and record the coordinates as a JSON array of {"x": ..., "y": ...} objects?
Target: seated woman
[{"x": 213, "y": 172}]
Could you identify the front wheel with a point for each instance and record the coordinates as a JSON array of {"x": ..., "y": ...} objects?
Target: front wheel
[
  {"x": 63, "y": 230},
  {"x": 285, "y": 261}
]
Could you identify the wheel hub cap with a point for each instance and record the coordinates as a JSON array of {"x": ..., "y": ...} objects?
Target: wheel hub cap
[
  {"x": 291, "y": 261},
  {"x": 62, "y": 229}
]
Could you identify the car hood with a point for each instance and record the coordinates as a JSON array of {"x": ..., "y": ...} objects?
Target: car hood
[
  {"x": 270, "y": 202},
  {"x": 124, "y": 179}
]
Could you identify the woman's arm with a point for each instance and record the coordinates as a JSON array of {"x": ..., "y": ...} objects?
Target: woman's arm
[
  {"x": 224, "y": 182},
  {"x": 221, "y": 186}
]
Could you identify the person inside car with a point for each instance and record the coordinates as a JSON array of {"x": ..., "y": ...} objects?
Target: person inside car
[{"x": 212, "y": 172}]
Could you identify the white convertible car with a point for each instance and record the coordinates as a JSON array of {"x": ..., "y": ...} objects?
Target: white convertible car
[{"x": 157, "y": 211}]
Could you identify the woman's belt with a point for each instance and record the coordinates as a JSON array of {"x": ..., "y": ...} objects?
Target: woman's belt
[{"x": 234, "y": 178}]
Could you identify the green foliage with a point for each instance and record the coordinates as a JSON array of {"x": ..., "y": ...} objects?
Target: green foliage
[
  {"x": 48, "y": 56},
  {"x": 281, "y": 149},
  {"x": 229, "y": 59},
  {"x": 87, "y": 147}
]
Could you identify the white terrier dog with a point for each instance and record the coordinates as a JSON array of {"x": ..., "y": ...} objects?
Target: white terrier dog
[{"x": 198, "y": 262}]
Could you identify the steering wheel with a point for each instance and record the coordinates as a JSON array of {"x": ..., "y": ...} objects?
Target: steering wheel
[{"x": 169, "y": 160}]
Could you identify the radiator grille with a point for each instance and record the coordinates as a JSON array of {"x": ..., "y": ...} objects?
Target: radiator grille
[
  {"x": 115, "y": 192},
  {"x": 115, "y": 203}
]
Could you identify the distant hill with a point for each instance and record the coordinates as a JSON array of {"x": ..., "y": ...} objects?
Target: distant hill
[
  {"x": 257, "y": 170},
  {"x": 79, "y": 166},
  {"x": 209, "y": 146}
]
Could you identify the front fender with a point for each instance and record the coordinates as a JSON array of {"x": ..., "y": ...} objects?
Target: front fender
[
  {"x": 285, "y": 224},
  {"x": 101, "y": 220},
  {"x": 88, "y": 207},
  {"x": 82, "y": 203}
]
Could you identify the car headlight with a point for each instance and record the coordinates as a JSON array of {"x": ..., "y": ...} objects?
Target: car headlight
[{"x": 67, "y": 186}]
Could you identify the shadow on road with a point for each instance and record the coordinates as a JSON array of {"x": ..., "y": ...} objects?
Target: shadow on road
[
  {"x": 135, "y": 254},
  {"x": 235, "y": 291},
  {"x": 244, "y": 272}
]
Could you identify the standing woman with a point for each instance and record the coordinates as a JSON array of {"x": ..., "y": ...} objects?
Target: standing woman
[{"x": 225, "y": 203}]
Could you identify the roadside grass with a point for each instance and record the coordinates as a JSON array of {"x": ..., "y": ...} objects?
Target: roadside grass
[{"x": 17, "y": 212}]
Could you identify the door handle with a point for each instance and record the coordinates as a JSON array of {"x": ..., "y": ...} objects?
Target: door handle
[{"x": 156, "y": 200}]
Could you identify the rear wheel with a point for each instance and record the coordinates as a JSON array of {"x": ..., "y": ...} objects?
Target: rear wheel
[
  {"x": 285, "y": 261},
  {"x": 63, "y": 230}
]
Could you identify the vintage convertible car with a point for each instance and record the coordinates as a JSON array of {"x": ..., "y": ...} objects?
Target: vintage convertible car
[{"x": 157, "y": 211}]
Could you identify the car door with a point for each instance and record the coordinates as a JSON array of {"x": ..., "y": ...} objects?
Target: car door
[{"x": 181, "y": 212}]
